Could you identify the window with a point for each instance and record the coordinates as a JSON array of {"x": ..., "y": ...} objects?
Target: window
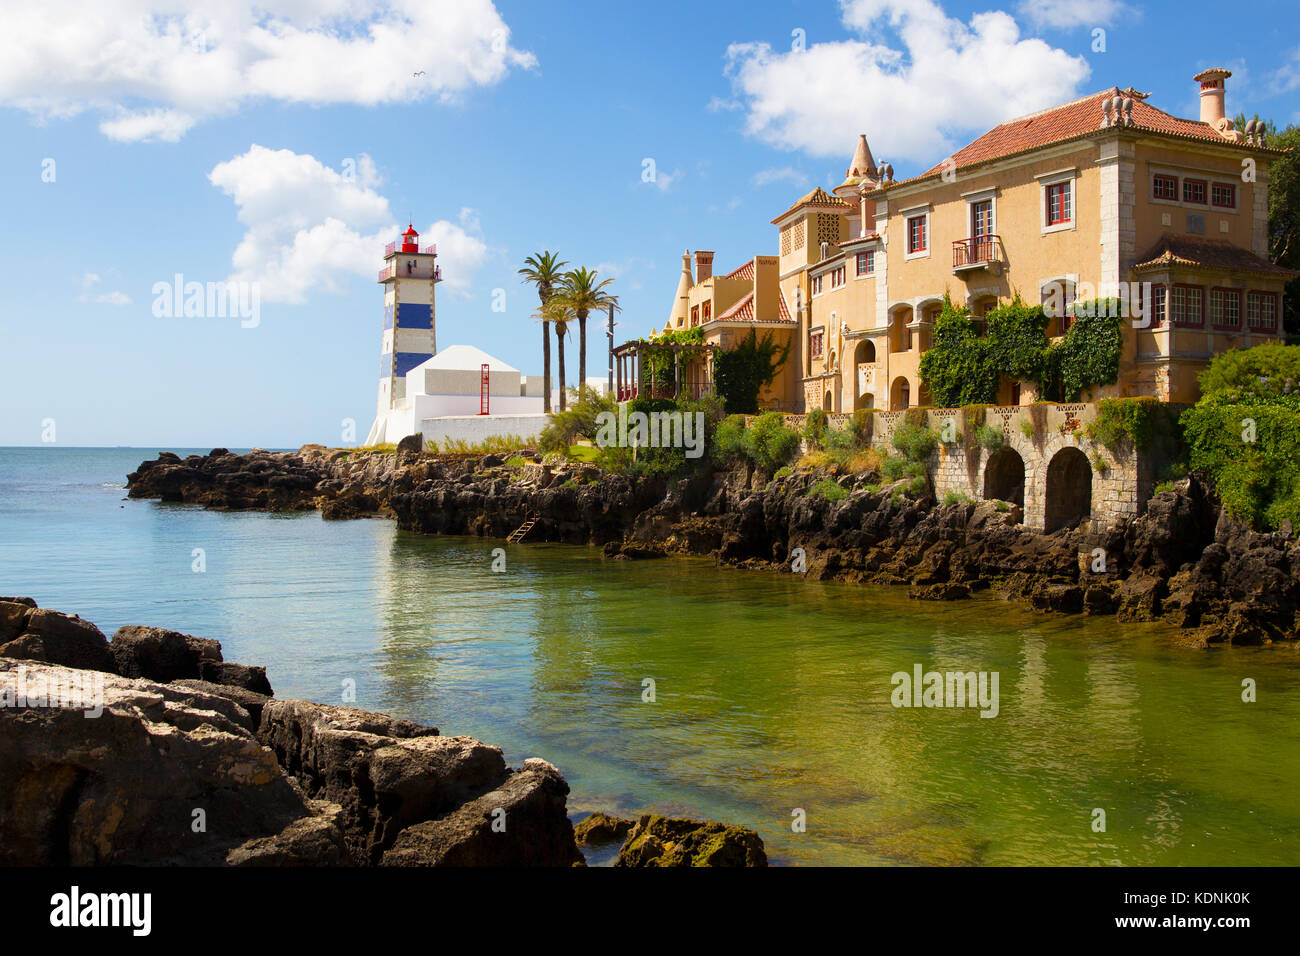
[
  {"x": 1261, "y": 311},
  {"x": 695, "y": 315},
  {"x": 1224, "y": 194},
  {"x": 1164, "y": 187},
  {"x": 1159, "y": 297},
  {"x": 815, "y": 343},
  {"x": 837, "y": 277},
  {"x": 866, "y": 263},
  {"x": 1186, "y": 304},
  {"x": 916, "y": 238},
  {"x": 708, "y": 310},
  {"x": 1059, "y": 203},
  {"x": 981, "y": 218},
  {"x": 1225, "y": 308},
  {"x": 1057, "y": 297},
  {"x": 1194, "y": 191},
  {"x": 817, "y": 285}
]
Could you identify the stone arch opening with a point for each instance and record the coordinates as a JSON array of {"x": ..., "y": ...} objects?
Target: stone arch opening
[
  {"x": 864, "y": 357},
  {"x": 827, "y": 404},
  {"x": 1004, "y": 477},
  {"x": 1069, "y": 489},
  {"x": 900, "y": 395}
]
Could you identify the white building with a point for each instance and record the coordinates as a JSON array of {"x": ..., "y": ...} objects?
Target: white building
[{"x": 458, "y": 393}]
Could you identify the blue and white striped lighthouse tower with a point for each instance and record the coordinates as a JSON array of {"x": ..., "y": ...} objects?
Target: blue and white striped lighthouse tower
[{"x": 410, "y": 276}]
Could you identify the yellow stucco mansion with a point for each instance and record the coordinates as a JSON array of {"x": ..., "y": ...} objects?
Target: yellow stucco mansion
[{"x": 1083, "y": 198}]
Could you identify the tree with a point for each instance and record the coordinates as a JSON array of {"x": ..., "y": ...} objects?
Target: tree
[
  {"x": 559, "y": 313},
  {"x": 1283, "y": 212},
  {"x": 585, "y": 295},
  {"x": 741, "y": 373},
  {"x": 545, "y": 271}
]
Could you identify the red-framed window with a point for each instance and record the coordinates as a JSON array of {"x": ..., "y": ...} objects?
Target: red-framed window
[
  {"x": 1261, "y": 311},
  {"x": 1164, "y": 187},
  {"x": 708, "y": 310},
  {"x": 837, "y": 277},
  {"x": 1223, "y": 195},
  {"x": 695, "y": 315},
  {"x": 1187, "y": 306},
  {"x": 916, "y": 237},
  {"x": 1225, "y": 309},
  {"x": 1194, "y": 191},
  {"x": 1159, "y": 302},
  {"x": 1060, "y": 203},
  {"x": 866, "y": 263},
  {"x": 817, "y": 285},
  {"x": 815, "y": 343}
]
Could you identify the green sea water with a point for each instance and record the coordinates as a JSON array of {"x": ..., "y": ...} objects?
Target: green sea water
[{"x": 772, "y": 694}]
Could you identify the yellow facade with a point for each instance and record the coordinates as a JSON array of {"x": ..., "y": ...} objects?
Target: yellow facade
[{"x": 1101, "y": 197}]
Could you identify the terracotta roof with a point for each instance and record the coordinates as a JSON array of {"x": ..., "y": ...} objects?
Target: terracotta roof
[
  {"x": 1069, "y": 121},
  {"x": 818, "y": 197},
  {"x": 746, "y": 271},
  {"x": 1200, "y": 252},
  {"x": 743, "y": 311}
]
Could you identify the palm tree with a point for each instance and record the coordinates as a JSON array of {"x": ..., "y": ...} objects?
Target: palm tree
[
  {"x": 559, "y": 313},
  {"x": 544, "y": 271},
  {"x": 585, "y": 295}
]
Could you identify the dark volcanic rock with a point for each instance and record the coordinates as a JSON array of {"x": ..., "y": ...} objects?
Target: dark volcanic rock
[
  {"x": 63, "y": 639},
  {"x": 155, "y": 653},
  {"x": 235, "y": 675},
  {"x": 602, "y": 828}
]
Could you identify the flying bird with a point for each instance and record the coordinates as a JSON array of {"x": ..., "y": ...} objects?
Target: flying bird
[{"x": 421, "y": 73}]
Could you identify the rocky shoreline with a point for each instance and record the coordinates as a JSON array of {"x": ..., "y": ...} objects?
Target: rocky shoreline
[
  {"x": 1183, "y": 561},
  {"x": 152, "y": 750}
]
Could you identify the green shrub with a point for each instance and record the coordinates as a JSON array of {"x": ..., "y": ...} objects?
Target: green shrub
[
  {"x": 1027, "y": 428},
  {"x": 860, "y": 428},
  {"x": 769, "y": 443},
  {"x": 916, "y": 442},
  {"x": 956, "y": 498},
  {"x": 989, "y": 438},
  {"x": 828, "y": 489},
  {"x": 1123, "y": 423},
  {"x": 892, "y": 469},
  {"x": 729, "y": 441},
  {"x": 1256, "y": 481},
  {"x": 1162, "y": 488},
  {"x": 917, "y": 486},
  {"x": 782, "y": 472},
  {"x": 576, "y": 422},
  {"x": 815, "y": 427},
  {"x": 1099, "y": 464}
]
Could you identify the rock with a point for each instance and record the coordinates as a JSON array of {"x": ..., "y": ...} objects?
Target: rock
[
  {"x": 667, "y": 841},
  {"x": 62, "y": 639},
  {"x": 157, "y": 654},
  {"x": 13, "y": 617},
  {"x": 123, "y": 788},
  {"x": 251, "y": 702},
  {"x": 1065, "y": 598},
  {"x": 308, "y": 841},
  {"x": 235, "y": 675},
  {"x": 939, "y": 592},
  {"x": 602, "y": 828},
  {"x": 520, "y": 823}
]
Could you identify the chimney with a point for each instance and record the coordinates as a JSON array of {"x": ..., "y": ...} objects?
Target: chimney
[
  {"x": 703, "y": 265},
  {"x": 1212, "y": 94}
]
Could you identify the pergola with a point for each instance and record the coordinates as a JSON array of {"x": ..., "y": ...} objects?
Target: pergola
[{"x": 642, "y": 370}]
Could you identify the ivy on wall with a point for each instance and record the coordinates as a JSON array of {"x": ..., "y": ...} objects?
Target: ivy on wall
[
  {"x": 965, "y": 366},
  {"x": 739, "y": 374}
]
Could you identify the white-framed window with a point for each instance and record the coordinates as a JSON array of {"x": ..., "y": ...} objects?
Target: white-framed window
[
  {"x": 817, "y": 285},
  {"x": 1057, "y": 205},
  {"x": 837, "y": 277}
]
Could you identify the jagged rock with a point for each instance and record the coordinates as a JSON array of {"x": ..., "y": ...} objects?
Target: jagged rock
[
  {"x": 155, "y": 653},
  {"x": 13, "y": 617},
  {"x": 668, "y": 841},
  {"x": 522, "y": 822},
  {"x": 939, "y": 592},
  {"x": 124, "y": 787},
  {"x": 235, "y": 675},
  {"x": 602, "y": 828},
  {"x": 252, "y": 703},
  {"x": 62, "y": 639}
]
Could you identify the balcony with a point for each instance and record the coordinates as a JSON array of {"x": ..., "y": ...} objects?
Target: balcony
[
  {"x": 392, "y": 270},
  {"x": 391, "y": 249},
  {"x": 979, "y": 252}
]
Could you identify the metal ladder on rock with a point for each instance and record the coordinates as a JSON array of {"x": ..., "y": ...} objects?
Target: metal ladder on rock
[{"x": 522, "y": 531}]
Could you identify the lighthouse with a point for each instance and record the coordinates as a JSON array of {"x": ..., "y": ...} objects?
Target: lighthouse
[{"x": 409, "y": 277}]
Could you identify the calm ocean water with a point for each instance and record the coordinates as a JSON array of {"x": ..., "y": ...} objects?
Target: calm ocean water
[{"x": 773, "y": 694}]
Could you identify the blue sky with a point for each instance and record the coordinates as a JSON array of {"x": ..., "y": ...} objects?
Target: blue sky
[{"x": 282, "y": 149}]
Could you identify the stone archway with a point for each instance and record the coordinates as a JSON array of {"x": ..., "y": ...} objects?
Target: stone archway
[
  {"x": 864, "y": 356},
  {"x": 1069, "y": 490},
  {"x": 900, "y": 395},
  {"x": 1004, "y": 477}
]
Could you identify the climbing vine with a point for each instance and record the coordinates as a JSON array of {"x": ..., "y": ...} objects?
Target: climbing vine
[{"x": 740, "y": 373}]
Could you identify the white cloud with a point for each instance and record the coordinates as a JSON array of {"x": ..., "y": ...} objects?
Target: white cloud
[
  {"x": 765, "y": 177},
  {"x": 664, "y": 181},
  {"x": 943, "y": 77},
  {"x": 1063, "y": 14},
  {"x": 88, "y": 281},
  {"x": 310, "y": 227},
  {"x": 154, "y": 68}
]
